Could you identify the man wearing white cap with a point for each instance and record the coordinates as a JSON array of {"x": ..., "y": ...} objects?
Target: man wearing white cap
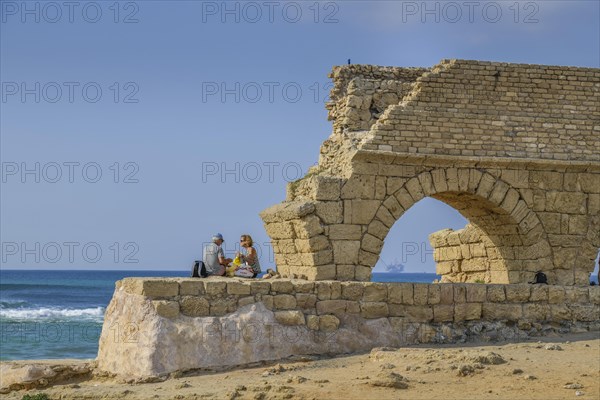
[{"x": 214, "y": 257}]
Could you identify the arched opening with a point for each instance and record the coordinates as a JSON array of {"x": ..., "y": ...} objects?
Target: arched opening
[
  {"x": 407, "y": 254},
  {"x": 504, "y": 241}
]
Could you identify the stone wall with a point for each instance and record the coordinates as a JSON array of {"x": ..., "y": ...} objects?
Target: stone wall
[
  {"x": 467, "y": 255},
  {"x": 475, "y": 108},
  {"x": 156, "y": 326},
  {"x": 361, "y": 93},
  {"x": 512, "y": 147}
]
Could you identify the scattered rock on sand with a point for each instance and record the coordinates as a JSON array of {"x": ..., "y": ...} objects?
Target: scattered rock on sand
[
  {"x": 391, "y": 380},
  {"x": 488, "y": 358},
  {"x": 517, "y": 371},
  {"x": 465, "y": 369},
  {"x": 573, "y": 386},
  {"x": 296, "y": 379},
  {"x": 553, "y": 347},
  {"x": 274, "y": 370},
  {"x": 530, "y": 377}
]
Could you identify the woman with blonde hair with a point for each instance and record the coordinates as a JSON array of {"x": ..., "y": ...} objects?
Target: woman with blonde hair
[{"x": 250, "y": 267}]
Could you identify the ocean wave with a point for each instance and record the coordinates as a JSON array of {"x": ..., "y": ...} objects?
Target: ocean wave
[
  {"x": 53, "y": 314},
  {"x": 13, "y": 304}
]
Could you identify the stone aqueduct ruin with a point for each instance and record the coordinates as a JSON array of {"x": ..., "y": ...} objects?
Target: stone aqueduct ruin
[{"x": 514, "y": 148}]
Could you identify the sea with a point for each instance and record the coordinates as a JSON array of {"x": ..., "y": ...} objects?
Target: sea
[{"x": 46, "y": 314}]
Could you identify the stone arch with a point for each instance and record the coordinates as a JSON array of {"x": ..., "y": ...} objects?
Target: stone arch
[
  {"x": 503, "y": 229},
  {"x": 523, "y": 169}
]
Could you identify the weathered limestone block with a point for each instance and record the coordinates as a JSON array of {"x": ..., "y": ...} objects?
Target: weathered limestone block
[
  {"x": 556, "y": 295},
  {"x": 476, "y": 293},
  {"x": 352, "y": 290},
  {"x": 327, "y": 188},
  {"x": 244, "y": 301},
  {"x": 345, "y": 232},
  {"x": 517, "y": 293},
  {"x": 159, "y": 288},
  {"x": 499, "y": 311},
  {"x": 371, "y": 309},
  {"x": 301, "y": 286},
  {"x": 312, "y": 322},
  {"x": 191, "y": 287},
  {"x": 284, "y": 302},
  {"x": 267, "y": 301},
  {"x": 360, "y": 211},
  {"x": 282, "y": 286},
  {"x": 443, "y": 313},
  {"x": 284, "y": 246},
  {"x": 336, "y": 307},
  {"x": 560, "y": 312},
  {"x": 290, "y": 317},
  {"x": 345, "y": 251},
  {"x": 433, "y": 294},
  {"x": 194, "y": 306},
  {"x": 584, "y": 312},
  {"x": 330, "y": 212},
  {"x": 314, "y": 244},
  {"x": 359, "y": 187},
  {"x": 307, "y": 227},
  {"x": 215, "y": 287},
  {"x": 566, "y": 202},
  {"x": 460, "y": 293},
  {"x": 420, "y": 293},
  {"x": 371, "y": 243},
  {"x": 306, "y": 300},
  {"x": 419, "y": 313},
  {"x": 328, "y": 290},
  {"x": 344, "y": 272},
  {"x": 287, "y": 211},
  {"x": 576, "y": 295},
  {"x": 238, "y": 288},
  {"x": 280, "y": 230},
  {"x": 166, "y": 308},
  {"x": 536, "y": 311},
  {"x": 260, "y": 287},
  {"x": 375, "y": 292},
  {"x": 539, "y": 293},
  {"x": 328, "y": 323},
  {"x": 222, "y": 306},
  {"x": 467, "y": 311},
  {"x": 446, "y": 294}
]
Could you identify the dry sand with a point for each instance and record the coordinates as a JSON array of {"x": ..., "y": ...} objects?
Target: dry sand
[{"x": 564, "y": 367}]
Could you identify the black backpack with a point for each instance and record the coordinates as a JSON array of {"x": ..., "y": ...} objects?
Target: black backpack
[
  {"x": 199, "y": 270},
  {"x": 540, "y": 278}
]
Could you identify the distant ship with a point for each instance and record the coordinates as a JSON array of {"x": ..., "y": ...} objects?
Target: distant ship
[{"x": 395, "y": 267}]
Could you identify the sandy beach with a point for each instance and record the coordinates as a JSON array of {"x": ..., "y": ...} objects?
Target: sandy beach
[{"x": 543, "y": 368}]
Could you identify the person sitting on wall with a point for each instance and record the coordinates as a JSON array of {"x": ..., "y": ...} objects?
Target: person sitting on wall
[
  {"x": 214, "y": 257},
  {"x": 250, "y": 267}
]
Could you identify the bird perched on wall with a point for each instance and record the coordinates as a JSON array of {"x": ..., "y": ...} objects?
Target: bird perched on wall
[{"x": 348, "y": 61}]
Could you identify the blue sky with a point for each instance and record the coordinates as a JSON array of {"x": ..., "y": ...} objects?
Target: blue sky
[{"x": 196, "y": 114}]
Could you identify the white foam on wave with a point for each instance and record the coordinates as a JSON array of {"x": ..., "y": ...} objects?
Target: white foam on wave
[{"x": 49, "y": 313}]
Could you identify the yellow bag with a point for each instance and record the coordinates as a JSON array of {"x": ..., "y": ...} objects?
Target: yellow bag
[{"x": 235, "y": 264}]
